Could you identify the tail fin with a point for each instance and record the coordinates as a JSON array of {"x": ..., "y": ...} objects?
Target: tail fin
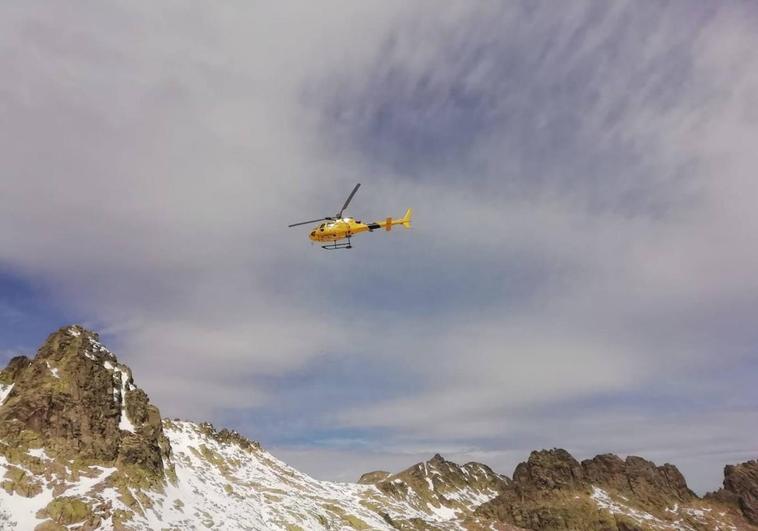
[{"x": 407, "y": 218}]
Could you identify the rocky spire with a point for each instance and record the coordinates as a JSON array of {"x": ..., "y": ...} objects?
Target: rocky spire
[
  {"x": 740, "y": 489},
  {"x": 547, "y": 470},
  {"x": 76, "y": 401}
]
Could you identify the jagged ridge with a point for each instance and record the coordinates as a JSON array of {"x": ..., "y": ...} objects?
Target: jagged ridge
[
  {"x": 552, "y": 490},
  {"x": 81, "y": 447}
]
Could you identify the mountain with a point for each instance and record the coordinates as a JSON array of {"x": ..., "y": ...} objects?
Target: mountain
[
  {"x": 82, "y": 447},
  {"x": 552, "y": 490}
]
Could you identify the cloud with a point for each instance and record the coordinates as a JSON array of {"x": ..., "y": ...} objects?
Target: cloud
[
  {"x": 582, "y": 183},
  {"x": 153, "y": 161}
]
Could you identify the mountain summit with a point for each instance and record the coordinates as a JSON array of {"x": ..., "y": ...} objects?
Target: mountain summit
[
  {"x": 82, "y": 447},
  {"x": 75, "y": 400}
]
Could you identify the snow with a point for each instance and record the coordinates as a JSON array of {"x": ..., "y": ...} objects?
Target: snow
[
  {"x": 5, "y": 390},
  {"x": 85, "y": 484},
  {"x": 38, "y": 453},
  {"x": 471, "y": 497},
  {"x": 443, "y": 513},
  {"x": 274, "y": 495},
  {"x": 74, "y": 332},
  {"x": 23, "y": 510},
  {"x": 119, "y": 396},
  {"x": 124, "y": 423},
  {"x": 53, "y": 370}
]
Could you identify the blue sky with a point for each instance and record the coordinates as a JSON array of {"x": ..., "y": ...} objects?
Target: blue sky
[
  {"x": 581, "y": 272},
  {"x": 25, "y": 313}
]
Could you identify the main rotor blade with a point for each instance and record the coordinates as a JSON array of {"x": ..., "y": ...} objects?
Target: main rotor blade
[
  {"x": 349, "y": 198},
  {"x": 308, "y": 222}
]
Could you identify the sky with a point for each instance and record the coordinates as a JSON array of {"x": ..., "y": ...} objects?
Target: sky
[{"x": 582, "y": 268}]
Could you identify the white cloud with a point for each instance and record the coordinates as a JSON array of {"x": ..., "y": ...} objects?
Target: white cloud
[{"x": 582, "y": 181}]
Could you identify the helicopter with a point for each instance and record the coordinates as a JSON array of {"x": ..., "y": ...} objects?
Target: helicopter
[{"x": 338, "y": 228}]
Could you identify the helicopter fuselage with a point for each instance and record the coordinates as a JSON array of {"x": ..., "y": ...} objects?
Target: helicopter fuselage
[
  {"x": 340, "y": 229},
  {"x": 344, "y": 228}
]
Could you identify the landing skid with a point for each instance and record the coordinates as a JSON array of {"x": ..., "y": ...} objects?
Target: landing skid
[{"x": 335, "y": 245}]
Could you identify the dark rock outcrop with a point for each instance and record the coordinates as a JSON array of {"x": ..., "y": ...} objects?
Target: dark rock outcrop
[
  {"x": 75, "y": 400},
  {"x": 650, "y": 485},
  {"x": 541, "y": 495},
  {"x": 740, "y": 489},
  {"x": 370, "y": 478},
  {"x": 226, "y": 436},
  {"x": 548, "y": 470},
  {"x": 552, "y": 490},
  {"x": 15, "y": 365}
]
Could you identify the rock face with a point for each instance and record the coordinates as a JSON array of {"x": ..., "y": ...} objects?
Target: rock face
[
  {"x": 741, "y": 489},
  {"x": 548, "y": 470},
  {"x": 655, "y": 487},
  {"x": 76, "y": 401},
  {"x": 542, "y": 496}
]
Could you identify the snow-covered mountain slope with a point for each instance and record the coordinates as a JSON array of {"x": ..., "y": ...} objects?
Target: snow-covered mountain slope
[
  {"x": 221, "y": 481},
  {"x": 229, "y": 483},
  {"x": 82, "y": 447}
]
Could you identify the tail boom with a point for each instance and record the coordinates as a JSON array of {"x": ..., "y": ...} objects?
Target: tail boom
[{"x": 388, "y": 222}]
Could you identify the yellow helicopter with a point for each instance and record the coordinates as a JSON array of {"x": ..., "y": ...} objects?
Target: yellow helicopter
[{"x": 338, "y": 228}]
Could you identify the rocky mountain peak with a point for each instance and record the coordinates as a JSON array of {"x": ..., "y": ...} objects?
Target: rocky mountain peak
[
  {"x": 76, "y": 401},
  {"x": 74, "y": 339},
  {"x": 442, "y": 486},
  {"x": 436, "y": 459},
  {"x": 549, "y": 469}
]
